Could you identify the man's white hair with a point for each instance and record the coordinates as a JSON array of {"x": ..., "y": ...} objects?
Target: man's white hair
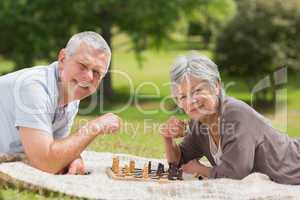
[
  {"x": 198, "y": 66},
  {"x": 90, "y": 38}
]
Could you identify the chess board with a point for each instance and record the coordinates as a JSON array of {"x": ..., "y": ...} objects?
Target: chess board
[{"x": 137, "y": 176}]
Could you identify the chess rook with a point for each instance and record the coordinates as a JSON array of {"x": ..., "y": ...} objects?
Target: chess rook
[{"x": 131, "y": 166}]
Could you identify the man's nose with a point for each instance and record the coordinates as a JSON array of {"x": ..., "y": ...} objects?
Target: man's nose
[{"x": 89, "y": 75}]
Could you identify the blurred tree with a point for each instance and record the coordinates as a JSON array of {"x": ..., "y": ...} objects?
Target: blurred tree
[
  {"x": 207, "y": 21},
  {"x": 263, "y": 35},
  {"x": 147, "y": 23},
  {"x": 32, "y": 30}
]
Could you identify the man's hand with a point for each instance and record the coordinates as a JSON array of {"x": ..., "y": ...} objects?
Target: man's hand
[
  {"x": 53, "y": 156},
  {"x": 173, "y": 128},
  {"x": 105, "y": 124},
  {"x": 76, "y": 167},
  {"x": 195, "y": 167}
]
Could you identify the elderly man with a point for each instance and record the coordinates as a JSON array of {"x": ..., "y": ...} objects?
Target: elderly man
[{"x": 38, "y": 105}]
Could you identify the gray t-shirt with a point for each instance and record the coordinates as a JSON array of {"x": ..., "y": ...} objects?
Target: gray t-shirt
[
  {"x": 29, "y": 98},
  {"x": 249, "y": 144}
]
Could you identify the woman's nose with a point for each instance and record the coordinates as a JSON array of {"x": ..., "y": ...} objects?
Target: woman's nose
[{"x": 192, "y": 99}]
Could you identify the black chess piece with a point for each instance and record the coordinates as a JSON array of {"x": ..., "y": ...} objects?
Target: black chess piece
[
  {"x": 160, "y": 169},
  {"x": 149, "y": 167},
  {"x": 173, "y": 171},
  {"x": 179, "y": 175}
]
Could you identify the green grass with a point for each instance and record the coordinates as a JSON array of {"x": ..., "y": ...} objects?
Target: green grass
[
  {"x": 5, "y": 66},
  {"x": 8, "y": 193}
]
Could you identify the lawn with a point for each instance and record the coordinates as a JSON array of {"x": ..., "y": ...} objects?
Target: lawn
[{"x": 149, "y": 83}]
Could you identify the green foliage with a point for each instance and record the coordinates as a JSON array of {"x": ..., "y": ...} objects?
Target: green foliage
[
  {"x": 261, "y": 37},
  {"x": 147, "y": 23},
  {"x": 32, "y": 30},
  {"x": 207, "y": 21}
]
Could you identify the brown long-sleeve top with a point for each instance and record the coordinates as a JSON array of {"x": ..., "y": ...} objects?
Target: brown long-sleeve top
[{"x": 249, "y": 144}]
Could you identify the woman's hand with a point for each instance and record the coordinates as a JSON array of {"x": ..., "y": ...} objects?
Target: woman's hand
[
  {"x": 173, "y": 128},
  {"x": 195, "y": 167}
]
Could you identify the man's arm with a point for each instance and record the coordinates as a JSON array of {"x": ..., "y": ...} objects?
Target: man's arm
[{"x": 51, "y": 155}]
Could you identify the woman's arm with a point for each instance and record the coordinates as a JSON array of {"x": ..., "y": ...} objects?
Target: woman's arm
[
  {"x": 172, "y": 150},
  {"x": 238, "y": 148},
  {"x": 173, "y": 128},
  {"x": 188, "y": 149}
]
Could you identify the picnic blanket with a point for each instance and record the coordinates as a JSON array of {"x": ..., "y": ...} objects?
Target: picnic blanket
[{"x": 98, "y": 185}]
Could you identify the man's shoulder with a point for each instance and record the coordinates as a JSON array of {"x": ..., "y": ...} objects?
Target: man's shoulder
[
  {"x": 38, "y": 77},
  {"x": 38, "y": 74}
]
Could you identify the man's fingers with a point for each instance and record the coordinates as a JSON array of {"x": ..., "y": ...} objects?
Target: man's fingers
[{"x": 72, "y": 170}]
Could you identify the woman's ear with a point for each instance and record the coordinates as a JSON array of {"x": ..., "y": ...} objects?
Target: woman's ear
[{"x": 218, "y": 88}]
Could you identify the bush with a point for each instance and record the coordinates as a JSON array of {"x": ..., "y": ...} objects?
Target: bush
[{"x": 262, "y": 36}]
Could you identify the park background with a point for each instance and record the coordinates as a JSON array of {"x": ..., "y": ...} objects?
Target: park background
[{"x": 248, "y": 39}]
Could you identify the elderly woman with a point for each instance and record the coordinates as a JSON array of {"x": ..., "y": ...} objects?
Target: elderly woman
[{"x": 234, "y": 138}]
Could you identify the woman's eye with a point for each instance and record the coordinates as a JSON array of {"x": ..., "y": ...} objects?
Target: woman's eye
[
  {"x": 182, "y": 97},
  {"x": 198, "y": 90}
]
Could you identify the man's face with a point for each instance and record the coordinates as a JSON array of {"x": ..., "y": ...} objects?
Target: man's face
[{"x": 81, "y": 72}]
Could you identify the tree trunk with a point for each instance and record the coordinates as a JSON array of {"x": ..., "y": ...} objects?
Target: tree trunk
[
  {"x": 273, "y": 90},
  {"x": 105, "y": 92},
  {"x": 107, "y": 81}
]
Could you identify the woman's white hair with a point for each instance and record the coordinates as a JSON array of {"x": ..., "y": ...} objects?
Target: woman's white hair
[
  {"x": 198, "y": 66},
  {"x": 90, "y": 38}
]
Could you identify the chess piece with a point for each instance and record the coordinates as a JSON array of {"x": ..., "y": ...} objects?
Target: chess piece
[
  {"x": 160, "y": 169},
  {"x": 172, "y": 172},
  {"x": 179, "y": 174},
  {"x": 132, "y": 166},
  {"x": 149, "y": 167},
  {"x": 115, "y": 164},
  {"x": 126, "y": 170},
  {"x": 118, "y": 171},
  {"x": 145, "y": 172}
]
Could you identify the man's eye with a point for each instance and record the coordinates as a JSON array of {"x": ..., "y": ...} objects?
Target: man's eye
[
  {"x": 82, "y": 67},
  {"x": 96, "y": 73}
]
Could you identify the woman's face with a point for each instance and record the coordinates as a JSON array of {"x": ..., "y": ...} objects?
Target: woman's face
[{"x": 196, "y": 97}]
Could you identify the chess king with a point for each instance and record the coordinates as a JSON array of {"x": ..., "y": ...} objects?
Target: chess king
[
  {"x": 234, "y": 138},
  {"x": 38, "y": 105}
]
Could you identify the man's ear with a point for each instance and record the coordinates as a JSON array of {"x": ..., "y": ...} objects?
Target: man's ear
[{"x": 61, "y": 57}]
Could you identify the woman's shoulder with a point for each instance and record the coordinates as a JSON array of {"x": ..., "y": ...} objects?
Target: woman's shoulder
[
  {"x": 236, "y": 110},
  {"x": 234, "y": 107}
]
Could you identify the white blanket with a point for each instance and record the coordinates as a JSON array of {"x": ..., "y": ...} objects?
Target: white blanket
[{"x": 98, "y": 185}]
